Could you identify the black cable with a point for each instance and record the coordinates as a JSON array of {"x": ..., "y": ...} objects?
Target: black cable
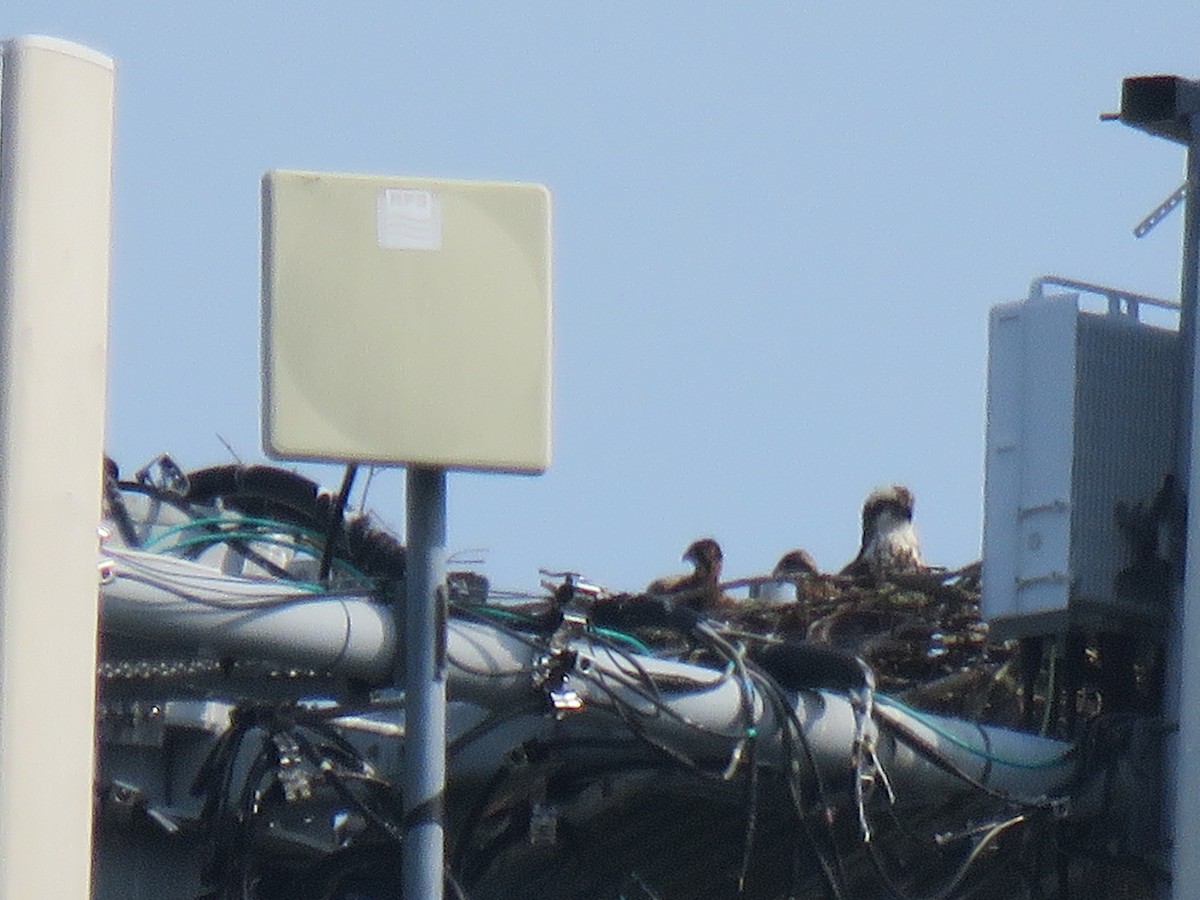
[
  {"x": 229, "y": 815},
  {"x": 451, "y": 882},
  {"x": 628, "y": 717},
  {"x": 785, "y": 714},
  {"x": 751, "y": 813},
  {"x": 242, "y": 827},
  {"x": 334, "y": 528},
  {"x": 652, "y": 694},
  {"x": 632, "y": 717},
  {"x": 955, "y": 881},
  {"x": 226, "y": 823},
  {"x": 931, "y": 753},
  {"x": 384, "y": 823},
  {"x": 258, "y": 491},
  {"x": 119, "y": 511},
  {"x": 214, "y": 781},
  {"x": 270, "y": 492},
  {"x": 638, "y": 882},
  {"x": 783, "y": 706},
  {"x": 801, "y": 666},
  {"x": 749, "y": 740},
  {"x": 654, "y": 697},
  {"x": 184, "y": 504},
  {"x": 475, "y": 816}
]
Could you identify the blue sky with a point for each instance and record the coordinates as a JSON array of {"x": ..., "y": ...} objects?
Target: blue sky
[{"x": 778, "y": 231}]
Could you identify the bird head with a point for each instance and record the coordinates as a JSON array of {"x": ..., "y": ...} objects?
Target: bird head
[
  {"x": 705, "y": 554},
  {"x": 796, "y": 562},
  {"x": 895, "y": 499}
]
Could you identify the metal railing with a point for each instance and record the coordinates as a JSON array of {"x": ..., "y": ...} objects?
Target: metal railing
[{"x": 1120, "y": 302}]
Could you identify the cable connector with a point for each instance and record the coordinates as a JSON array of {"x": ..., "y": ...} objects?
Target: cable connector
[
  {"x": 164, "y": 475},
  {"x": 293, "y": 774}
]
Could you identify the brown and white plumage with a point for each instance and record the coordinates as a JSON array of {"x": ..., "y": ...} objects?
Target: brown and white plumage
[
  {"x": 795, "y": 562},
  {"x": 793, "y": 566},
  {"x": 889, "y": 539},
  {"x": 700, "y": 588}
]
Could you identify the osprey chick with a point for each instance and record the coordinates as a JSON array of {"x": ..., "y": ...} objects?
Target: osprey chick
[
  {"x": 792, "y": 564},
  {"x": 889, "y": 539},
  {"x": 796, "y": 562},
  {"x": 700, "y": 588}
]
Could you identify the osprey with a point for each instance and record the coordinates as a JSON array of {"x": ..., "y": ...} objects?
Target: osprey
[
  {"x": 792, "y": 565},
  {"x": 796, "y": 562},
  {"x": 889, "y": 539},
  {"x": 699, "y": 589}
]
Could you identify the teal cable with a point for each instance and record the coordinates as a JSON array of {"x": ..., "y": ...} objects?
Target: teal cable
[
  {"x": 498, "y": 613},
  {"x": 609, "y": 633},
  {"x": 624, "y": 638},
  {"x": 969, "y": 747},
  {"x": 258, "y": 537},
  {"x": 232, "y": 520}
]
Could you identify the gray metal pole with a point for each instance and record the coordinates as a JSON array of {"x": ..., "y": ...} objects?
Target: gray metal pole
[
  {"x": 1168, "y": 106},
  {"x": 425, "y": 684},
  {"x": 1183, "y": 676},
  {"x": 1189, "y": 298}
]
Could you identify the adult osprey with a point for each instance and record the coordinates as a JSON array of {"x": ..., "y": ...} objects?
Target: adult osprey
[
  {"x": 889, "y": 539},
  {"x": 699, "y": 589}
]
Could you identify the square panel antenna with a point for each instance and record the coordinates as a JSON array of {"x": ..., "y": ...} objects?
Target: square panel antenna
[{"x": 406, "y": 321}]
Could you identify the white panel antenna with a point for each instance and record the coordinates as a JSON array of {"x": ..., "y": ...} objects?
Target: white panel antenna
[{"x": 406, "y": 320}]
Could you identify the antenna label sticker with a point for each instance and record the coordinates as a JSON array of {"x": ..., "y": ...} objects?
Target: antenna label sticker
[{"x": 408, "y": 219}]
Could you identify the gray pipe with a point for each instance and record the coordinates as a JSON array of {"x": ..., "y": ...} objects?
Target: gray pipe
[{"x": 182, "y": 603}]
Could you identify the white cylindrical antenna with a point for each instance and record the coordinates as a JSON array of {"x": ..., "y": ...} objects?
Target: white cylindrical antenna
[{"x": 56, "y": 131}]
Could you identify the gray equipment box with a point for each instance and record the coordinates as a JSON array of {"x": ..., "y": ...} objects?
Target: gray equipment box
[{"x": 1082, "y": 409}]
